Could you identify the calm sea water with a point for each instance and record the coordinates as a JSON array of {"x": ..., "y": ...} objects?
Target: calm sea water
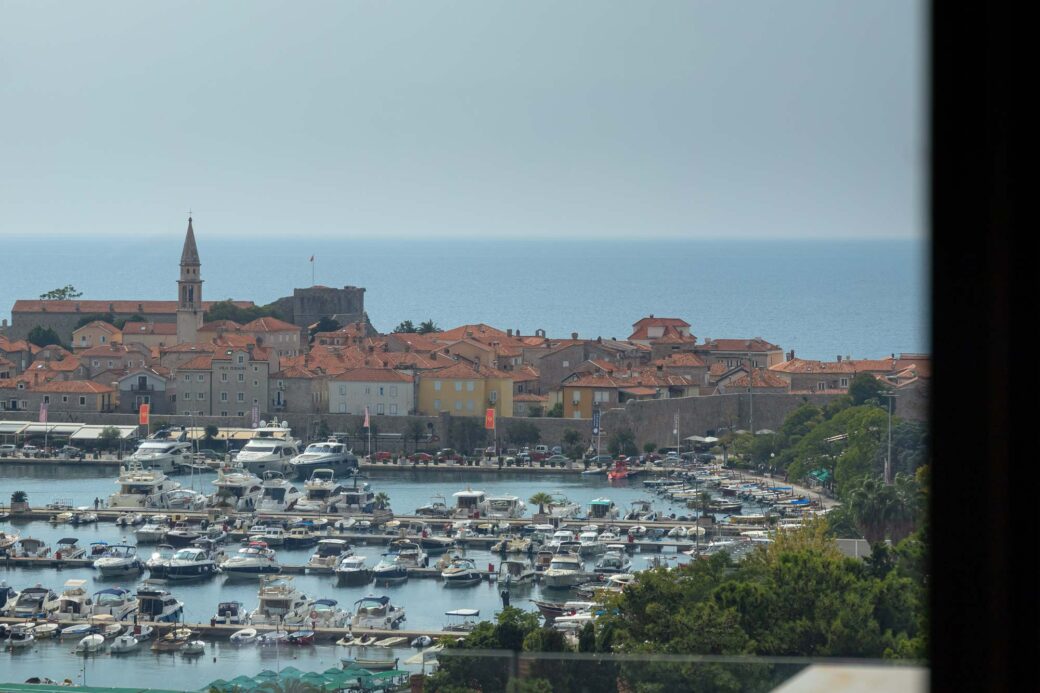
[
  {"x": 425, "y": 600},
  {"x": 857, "y": 298}
]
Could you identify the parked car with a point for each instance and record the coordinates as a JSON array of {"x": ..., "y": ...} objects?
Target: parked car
[
  {"x": 420, "y": 457},
  {"x": 382, "y": 456},
  {"x": 558, "y": 459},
  {"x": 8, "y": 450},
  {"x": 556, "y": 450},
  {"x": 705, "y": 457},
  {"x": 30, "y": 451},
  {"x": 543, "y": 449},
  {"x": 448, "y": 455},
  {"x": 71, "y": 452},
  {"x": 601, "y": 459}
]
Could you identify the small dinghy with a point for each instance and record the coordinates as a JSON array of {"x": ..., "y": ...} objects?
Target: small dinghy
[
  {"x": 246, "y": 636},
  {"x": 365, "y": 641},
  {"x": 123, "y": 644},
  {"x": 21, "y": 636},
  {"x": 142, "y": 632},
  {"x": 78, "y": 630},
  {"x": 347, "y": 640},
  {"x": 273, "y": 639},
  {"x": 194, "y": 647},
  {"x": 301, "y": 637},
  {"x": 90, "y": 644},
  {"x": 422, "y": 641},
  {"x": 45, "y": 630}
]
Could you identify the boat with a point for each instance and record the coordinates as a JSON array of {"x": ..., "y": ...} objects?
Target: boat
[
  {"x": 390, "y": 569},
  {"x": 159, "y": 454},
  {"x": 142, "y": 632},
  {"x": 252, "y": 560},
  {"x": 422, "y": 641},
  {"x": 318, "y": 491},
  {"x": 140, "y": 487},
  {"x": 129, "y": 519},
  {"x": 642, "y": 511},
  {"x": 106, "y": 625},
  {"x": 469, "y": 503},
  {"x": 156, "y": 605},
  {"x": 182, "y": 534},
  {"x": 230, "y": 613},
  {"x": 376, "y": 612},
  {"x": 330, "y": 454},
  {"x": 620, "y": 471},
  {"x": 77, "y": 631},
  {"x": 43, "y": 631},
  {"x": 190, "y": 564},
  {"x": 601, "y": 509},
  {"x": 300, "y": 538},
  {"x": 505, "y": 507},
  {"x": 280, "y": 603},
  {"x": 183, "y": 499},
  {"x": 91, "y": 644},
  {"x": 275, "y": 639},
  {"x": 74, "y": 601},
  {"x": 542, "y": 559},
  {"x": 354, "y": 499},
  {"x": 516, "y": 573},
  {"x": 21, "y": 636},
  {"x": 270, "y": 535},
  {"x": 62, "y": 517},
  {"x": 432, "y": 544},
  {"x": 613, "y": 561},
  {"x": 32, "y": 602},
  {"x": 467, "y": 620},
  {"x": 27, "y": 547},
  {"x": 435, "y": 508},
  {"x": 565, "y": 570},
  {"x": 373, "y": 659},
  {"x": 83, "y": 516},
  {"x": 461, "y": 572},
  {"x": 327, "y": 555},
  {"x": 158, "y": 561},
  {"x": 278, "y": 493},
  {"x": 69, "y": 548},
  {"x": 123, "y": 644},
  {"x": 119, "y": 560},
  {"x": 553, "y": 610},
  {"x": 594, "y": 470},
  {"x": 325, "y": 613},
  {"x": 410, "y": 553},
  {"x": 237, "y": 488},
  {"x": 194, "y": 647},
  {"x": 637, "y": 531},
  {"x": 270, "y": 449},
  {"x": 590, "y": 543},
  {"x": 173, "y": 641},
  {"x": 351, "y": 570},
  {"x": 560, "y": 536},
  {"x": 301, "y": 637},
  {"x": 246, "y": 636},
  {"x": 117, "y": 602}
]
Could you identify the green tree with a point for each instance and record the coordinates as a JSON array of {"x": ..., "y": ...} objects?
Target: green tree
[
  {"x": 43, "y": 336},
  {"x": 415, "y": 432},
  {"x": 622, "y": 442},
  {"x": 210, "y": 432},
  {"x": 555, "y": 411},
  {"x": 227, "y": 310},
  {"x": 865, "y": 389},
  {"x": 405, "y": 326},
  {"x": 466, "y": 433},
  {"x": 428, "y": 326},
  {"x": 381, "y": 500},
  {"x": 109, "y": 437},
  {"x": 523, "y": 433},
  {"x": 325, "y": 324},
  {"x": 649, "y": 447},
  {"x": 541, "y": 499},
  {"x": 65, "y": 293},
  {"x": 535, "y": 411},
  {"x": 573, "y": 443}
]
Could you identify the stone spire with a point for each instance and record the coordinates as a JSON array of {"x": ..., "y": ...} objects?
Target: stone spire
[{"x": 190, "y": 254}]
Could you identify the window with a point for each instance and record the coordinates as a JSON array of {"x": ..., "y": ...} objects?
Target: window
[
  {"x": 82, "y": 401},
  {"x": 844, "y": 382},
  {"x": 201, "y": 396},
  {"x": 95, "y": 363},
  {"x": 601, "y": 396},
  {"x": 342, "y": 407},
  {"x": 381, "y": 391},
  {"x": 469, "y": 386},
  {"x": 187, "y": 378},
  {"x": 469, "y": 404},
  {"x": 187, "y": 395},
  {"x": 241, "y": 359},
  {"x": 577, "y": 415},
  {"x": 565, "y": 364},
  {"x": 223, "y": 377},
  {"x": 200, "y": 377},
  {"x": 343, "y": 389},
  {"x": 223, "y": 397},
  {"x": 46, "y": 399},
  {"x": 458, "y": 386},
  {"x": 379, "y": 409},
  {"x": 436, "y": 405},
  {"x": 393, "y": 409},
  {"x": 187, "y": 413},
  {"x": 256, "y": 369},
  {"x": 821, "y": 385},
  {"x": 493, "y": 396},
  {"x": 576, "y": 396},
  {"x": 256, "y": 383},
  {"x": 241, "y": 413},
  {"x": 458, "y": 405},
  {"x": 110, "y": 363},
  {"x": 241, "y": 377},
  {"x": 223, "y": 413},
  {"x": 102, "y": 339},
  {"x": 281, "y": 385},
  {"x": 437, "y": 385},
  {"x": 393, "y": 391}
]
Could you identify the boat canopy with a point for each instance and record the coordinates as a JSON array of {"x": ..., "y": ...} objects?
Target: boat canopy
[
  {"x": 463, "y": 612},
  {"x": 379, "y": 600}
]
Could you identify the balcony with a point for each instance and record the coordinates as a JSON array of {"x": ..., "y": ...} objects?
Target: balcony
[{"x": 142, "y": 388}]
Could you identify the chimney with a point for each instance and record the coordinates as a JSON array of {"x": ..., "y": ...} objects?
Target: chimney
[
  {"x": 574, "y": 335},
  {"x": 517, "y": 332},
  {"x": 111, "y": 308},
  {"x": 140, "y": 307},
  {"x": 790, "y": 355},
  {"x": 839, "y": 358},
  {"x": 599, "y": 340},
  {"x": 509, "y": 331},
  {"x": 651, "y": 315},
  {"x": 433, "y": 355}
]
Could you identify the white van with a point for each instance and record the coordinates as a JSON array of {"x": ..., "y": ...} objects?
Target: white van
[{"x": 544, "y": 449}]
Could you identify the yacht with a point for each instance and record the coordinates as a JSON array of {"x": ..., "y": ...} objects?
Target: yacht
[
  {"x": 74, "y": 602},
  {"x": 270, "y": 449},
  {"x": 153, "y": 530},
  {"x": 354, "y": 499},
  {"x": 300, "y": 538},
  {"x": 351, "y": 570},
  {"x": 328, "y": 555},
  {"x": 590, "y": 543},
  {"x": 272, "y": 536},
  {"x": 435, "y": 508},
  {"x": 32, "y": 602},
  {"x": 390, "y": 569},
  {"x": 280, "y": 603},
  {"x": 325, "y": 613},
  {"x": 330, "y": 454},
  {"x": 641, "y": 512},
  {"x": 116, "y": 602},
  {"x": 461, "y": 572},
  {"x": 163, "y": 455},
  {"x": 158, "y": 605},
  {"x": 140, "y": 487},
  {"x": 318, "y": 491},
  {"x": 562, "y": 508},
  {"x": 190, "y": 564},
  {"x": 612, "y": 562},
  {"x": 505, "y": 507},
  {"x": 182, "y": 534},
  {"x": 602, "y": 509},
  {"x": 183, "y": 499},
  {"x": 565, "y": 569},
  {"x": 237, "y": 488},
  {"x": 157, "y": 562},
  {"x": 251, "y": 560},
  {"x": 376, "y": 612},
  {"x": 278, "y": 495},
  {"x": 469, "y": 503},
  {"x": 68, "y": 547},
  {"x": 231, "y": 613},
  {"x": 559, "y": 537},
  {"x": 514, "y": 573}
]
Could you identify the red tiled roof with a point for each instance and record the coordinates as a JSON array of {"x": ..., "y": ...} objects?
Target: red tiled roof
[
  {"x": 479, "y": 331},
  {"x": 269, "y": 324},
  {"x": 199, "y": 363},
  {"x": 529, "y": 397},
  {"x": 295, "y": 372},
  {"x": 760, "y": 378},
  {"x": 98, "y": 324},
  {"x": 808, "y": 366},
  {"x": 220, "y": 325},
  {"x": 111, "y": 350},
  {"x": 73, "y": 386},
  {"x": 652, "y": 321},
  {"x": 683, "y": 359},
  {"x": 9, "y": 345},
  {"x": 140, "y": 307},
  {"x": 160, "y": 328},
  {"x": 745, "y": 345}
]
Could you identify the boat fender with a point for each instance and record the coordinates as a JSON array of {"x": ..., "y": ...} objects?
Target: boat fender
[{"x": 314, "y": 614}]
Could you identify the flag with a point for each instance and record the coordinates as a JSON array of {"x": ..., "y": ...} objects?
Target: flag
[
  {"x": 368, "y": 423},
  {"x": 43, "y": 412},
  {"x": 489, "y": 419},
  {"x": 142, "y": 414}
]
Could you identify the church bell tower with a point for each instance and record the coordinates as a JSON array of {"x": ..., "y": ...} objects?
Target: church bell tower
[{"x": 189, "y": 291}]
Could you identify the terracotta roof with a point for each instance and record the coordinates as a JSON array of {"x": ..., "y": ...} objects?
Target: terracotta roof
[
  {"x": 640, "y": 391},
  {"x": 73, "y": 386},
  {"x": 672, "y": 337},
  {"x": 376, "y": 375},
  {"x": 652, "y": 321},
  {"x": 67, "y": 364},
  {"x": 745, "y": 345},
  {"x": 216, "y": 325},
  {"x": 717, "y": 369},
  {"x": 596, "y": 380},
  {"x": 808, "y": 366},
  {"x": 189, "y": 347},
  {"x": 760, "y": 378},
  {"x": 409, "y": 359},
  {"x": 416, "y": 342},
  {"x": 529, "y": 397},
  {"x": 683, "y": 359},
  {"x": 456, "y": 370},
  {"x": 116, "y": 306},
  {"x": 199, "y": 363},
  {"x": 269, "y": 324},
  {"x": 110, "y": 350},
  {"x": 9, "y": 345},
  {"x": 479, "y": 331},
  {"x": 159, "y": 328},
  {"x": 524, "y": 374},
  {"x": 98, "y": 324},
  {"x": 295, "y": 372}
]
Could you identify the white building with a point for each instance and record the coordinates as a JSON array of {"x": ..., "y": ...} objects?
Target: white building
[{"x": 384, "y": 391}]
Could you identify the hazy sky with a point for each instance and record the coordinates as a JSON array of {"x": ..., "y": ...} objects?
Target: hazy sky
[{"x": 477, "y": 119}]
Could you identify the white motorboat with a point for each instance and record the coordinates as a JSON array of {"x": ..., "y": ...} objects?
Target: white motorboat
[
  {"x": 435, "y": 508},
  {"x": 246, "y": 636},
  {"x": 351, "y": 570},
  {"x": 270, "y": 449},
  {"x": 190, "y": 564},
  {"x": 230, "y": 613},
  {"x": 278, "y": 494},
  {"x": 32, "y": 602},
  {"x": 390, "y": 569},
  {"x": 129, "y": 519},
  {"x": 280, "y": 603},
  {"x": 76, "y": 631},
  {"x": 469, "y": 503},
  {"x": 590, "y": 543},
  {"x": 505, "y": 507},
  {"x": 123, "y": 644},
  {"x": 29, "y": 547},
  {"x": 562, "y": 508},
  {"x": 516, "y": 573},
  {"x": 641, "y": 511},
  {"x": 69, "y": 548},
  {"x": 327, "y": 555},
  {"x": 270, "y": 535},
  {"x": 325, "y": 613},
  {"x": 318, "y": 491},
  {"x": 90, "y": 644},
  {"x": 601, "y": 509},
  {"x": 140, "y": 487},
  {"x": 119, "y": 560},
  {"x": 153, "y": 530},
  {"x": 117, "y": 602},
  {"x": 194, "y": 647},
  {"x": 163, "y": 455},
  {"x": 43, "y": 631},
  {"x": 613, "y": 561},
  {"x": 74, "y": 601},
  {"x": 300, "y": 537},
  {"x": 182, "y": 534},
  {"x": 373, "y": 659},
  {"x": 142, "y": 632},
  {"x": 461, "y": 572},
  {"x": 252, "y": 560},
  {"x": 560, "y": 536},
  {"x": 7, "y": 541},
  {"x": 157, "y": 562},
  {"x": 376, "y": 612},
  {"x": 106, "y": 625},
  {"x": 158, "y": 605},
  {"x": 237, "y": 488},
  {"x": 21, "y": 636},
  {"x": 565, "y": 570},
  {"x": 330, "y": 454},
  {"x": 353, "y": 499},
  {"x": 183, "y": 499}
]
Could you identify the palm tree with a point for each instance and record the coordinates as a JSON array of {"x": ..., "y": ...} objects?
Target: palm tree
[
  {"x": 871, "y": 505},
  {"x": 541, "y": 499},
  {"x": 906, "y": 501},
  {"x": 381, "y": 500}
]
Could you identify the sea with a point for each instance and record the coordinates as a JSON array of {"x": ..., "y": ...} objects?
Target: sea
[{"x": 820, "y": 298}]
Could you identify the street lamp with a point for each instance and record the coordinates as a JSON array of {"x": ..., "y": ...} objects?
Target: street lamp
[{"x": 888, "y": 457}]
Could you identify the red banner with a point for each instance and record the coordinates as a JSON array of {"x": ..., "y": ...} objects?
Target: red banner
[
  {"x": 489, "y": 419},
  {"x": 142, "y": 414}
]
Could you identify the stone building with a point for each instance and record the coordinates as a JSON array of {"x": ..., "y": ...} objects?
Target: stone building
[{"x": 309, "y": 305}]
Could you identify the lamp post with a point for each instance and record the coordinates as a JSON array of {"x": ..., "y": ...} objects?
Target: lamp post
[{"x": 888, "y": 457}]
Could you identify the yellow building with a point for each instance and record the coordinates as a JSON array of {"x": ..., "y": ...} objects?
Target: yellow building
[
  {"x": 462, "y": 390},
  {"x": 96, "y": 333}
]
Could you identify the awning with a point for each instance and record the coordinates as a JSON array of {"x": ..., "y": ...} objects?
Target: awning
[
  {"x": 696, "y": 439},
  {"x": 93, "y": 432},
  {"x": 12, "y": 427},
  {"x": 54, "y": 429}
]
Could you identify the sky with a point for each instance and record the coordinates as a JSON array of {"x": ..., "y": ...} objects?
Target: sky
[{"x": 477, "y": 120}]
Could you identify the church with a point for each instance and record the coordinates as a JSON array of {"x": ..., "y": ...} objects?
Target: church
[{"x": 64, "y": 316}]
